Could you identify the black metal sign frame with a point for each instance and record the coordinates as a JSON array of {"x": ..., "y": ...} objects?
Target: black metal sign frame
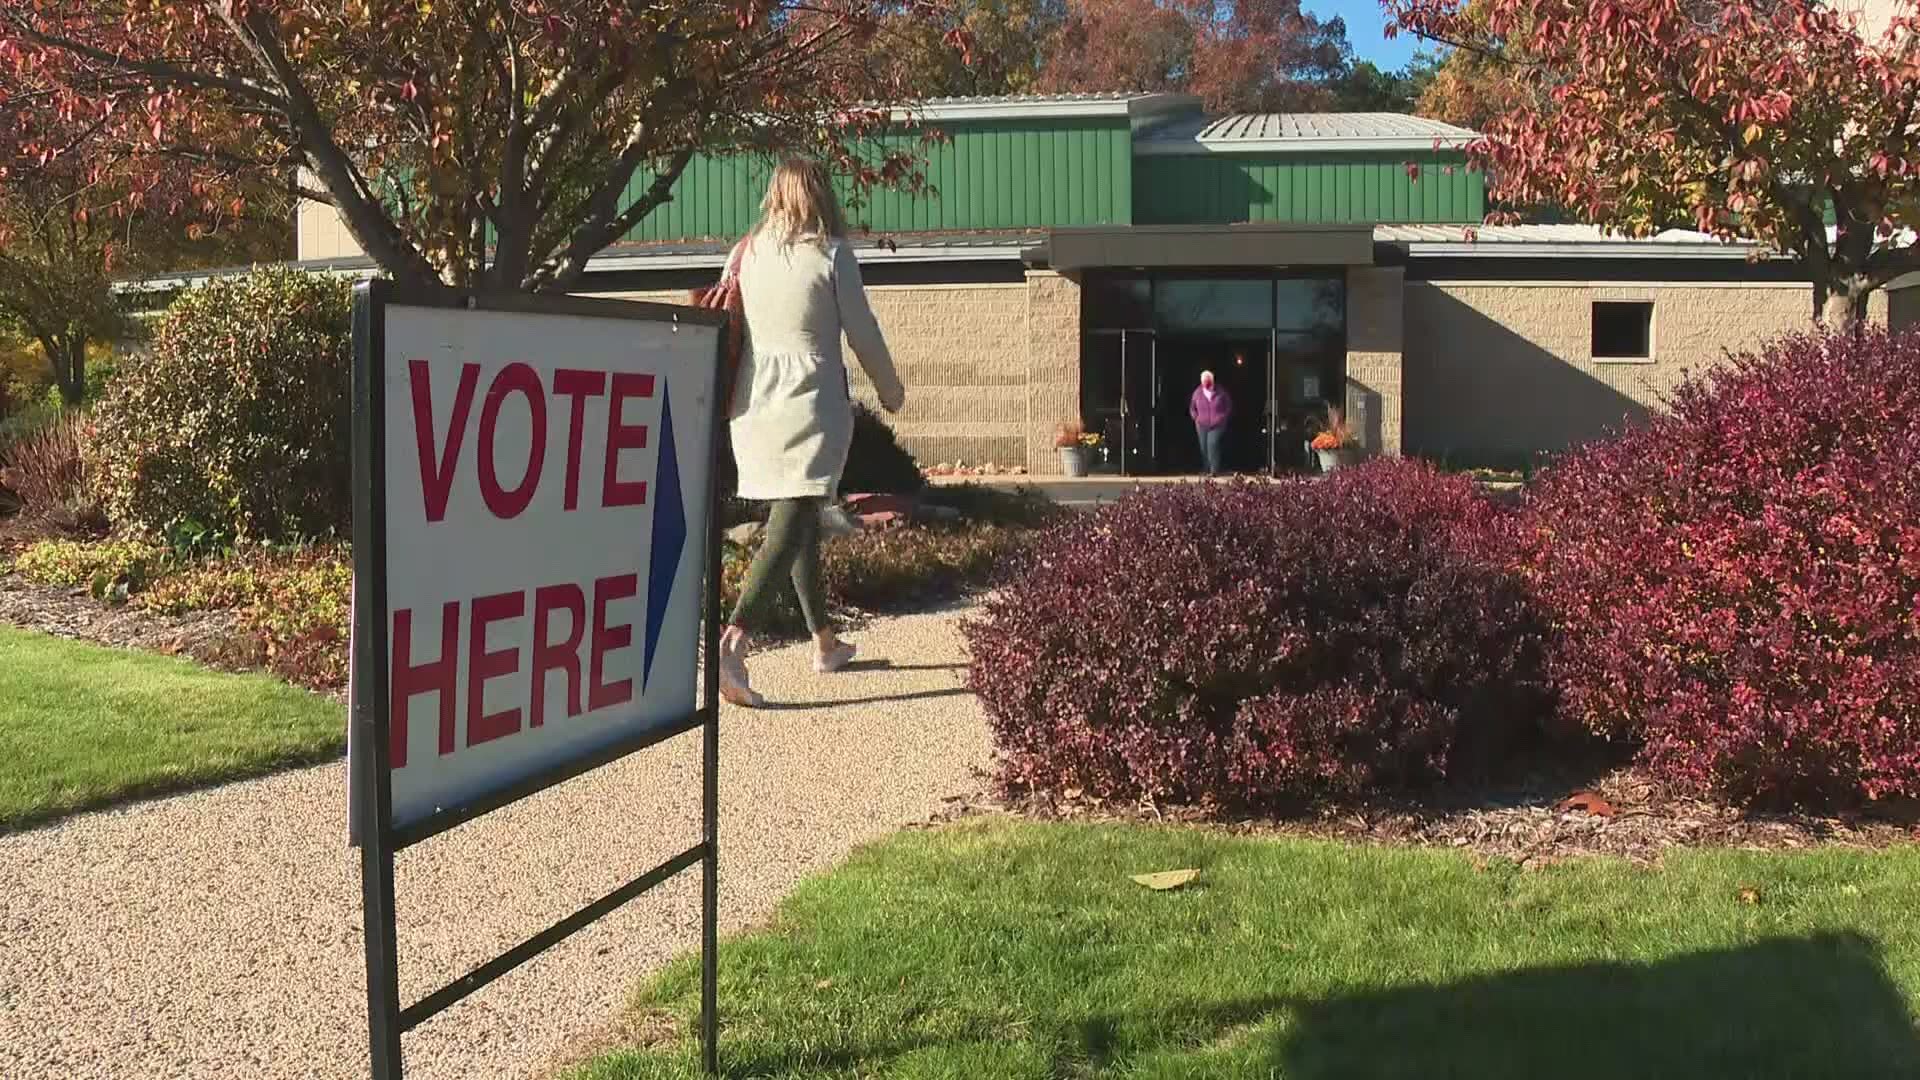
[{"x": 379, "y": 839}]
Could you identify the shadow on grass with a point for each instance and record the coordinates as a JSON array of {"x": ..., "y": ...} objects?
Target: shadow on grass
[{"x": 1818, "y": 1006}]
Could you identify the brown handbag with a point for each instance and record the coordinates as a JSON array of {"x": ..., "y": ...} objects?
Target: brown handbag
[{"x": 725, "y": 296}]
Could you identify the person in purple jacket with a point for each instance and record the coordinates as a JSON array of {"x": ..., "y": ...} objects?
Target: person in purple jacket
[{"x": 1210, "y": 408}]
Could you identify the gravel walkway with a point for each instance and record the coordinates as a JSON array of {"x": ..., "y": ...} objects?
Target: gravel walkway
[{"x": 217, "y": 934}]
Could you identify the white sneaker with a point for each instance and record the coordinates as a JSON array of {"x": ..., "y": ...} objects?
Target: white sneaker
[
  {"x": 835, "y": 521},
  {"x": 735, "y": 687},
  {"x": 826, "y": 663}
]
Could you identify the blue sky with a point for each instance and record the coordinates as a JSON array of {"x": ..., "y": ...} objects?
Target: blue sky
[{"x": 1364, "y": 23}]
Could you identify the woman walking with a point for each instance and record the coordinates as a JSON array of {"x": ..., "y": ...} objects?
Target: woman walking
[{"x": 800, "y": 289}]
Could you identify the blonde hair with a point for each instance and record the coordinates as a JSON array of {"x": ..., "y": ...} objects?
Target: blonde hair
[{"x": 800, "y": 204}]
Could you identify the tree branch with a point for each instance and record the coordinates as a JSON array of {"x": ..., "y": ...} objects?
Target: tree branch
[
  {"x": 369, "y": 222},
  {"x": 156, "y": 70},
  {"x": 602, "y": 225}
]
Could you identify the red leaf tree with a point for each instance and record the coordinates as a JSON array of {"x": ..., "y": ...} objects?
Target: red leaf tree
[
  {"x": 1744, "y": 119},
  {"x": 1247, "y": 55},
  {"x": 466, "y": 144},
  {"x": 70, "y": 221}
]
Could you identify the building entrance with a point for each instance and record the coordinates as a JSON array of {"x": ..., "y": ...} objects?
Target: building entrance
[
  {"x": 1240, "y": 368},
  {"x": 1275, "y": 344}
]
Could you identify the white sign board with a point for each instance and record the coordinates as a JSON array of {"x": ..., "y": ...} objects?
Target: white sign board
[{"x": 545, "y": 512}]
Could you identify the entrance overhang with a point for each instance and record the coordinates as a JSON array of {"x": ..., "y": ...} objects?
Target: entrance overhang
[{"x": 1265, "y": 245}]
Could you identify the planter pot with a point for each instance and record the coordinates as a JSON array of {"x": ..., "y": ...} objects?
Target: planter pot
[
  {"x": 1331, "y": 460},
  {"x": 1073, "y": 460}
]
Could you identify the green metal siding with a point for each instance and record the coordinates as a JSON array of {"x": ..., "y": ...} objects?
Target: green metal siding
[
  {"x": 1371, "y": 188},
  {"x": 990, "y": 175}
]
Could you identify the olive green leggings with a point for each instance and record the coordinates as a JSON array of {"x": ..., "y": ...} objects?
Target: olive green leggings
[{"x": 791, "y": 546}]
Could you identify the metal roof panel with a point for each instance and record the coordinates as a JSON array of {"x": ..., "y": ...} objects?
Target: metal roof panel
[{"x": 1282, "y": 132}]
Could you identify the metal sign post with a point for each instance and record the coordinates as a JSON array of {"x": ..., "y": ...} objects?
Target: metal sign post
[{"x": 500, "y": 445}]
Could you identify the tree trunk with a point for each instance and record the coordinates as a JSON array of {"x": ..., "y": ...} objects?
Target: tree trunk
[
  {"x": 1842, "y": 305},
  {"x": 68, "y": 355}
]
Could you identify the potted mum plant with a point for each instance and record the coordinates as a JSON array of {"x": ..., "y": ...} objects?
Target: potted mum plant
[
  {"x": 1334, "y": 444},
  {"x": 1075, "y": 446}
]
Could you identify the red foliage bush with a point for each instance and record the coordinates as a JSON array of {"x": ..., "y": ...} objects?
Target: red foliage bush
[
  {"x": 1228, "y": 645},
  {"x": 43, "y": 468},
  {"x": 1736, "y": 586}
]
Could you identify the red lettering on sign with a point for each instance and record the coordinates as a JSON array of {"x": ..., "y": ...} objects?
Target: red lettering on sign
[
  {"x": 578, "y": 385},
  {"x": 436, "y": 477},
  {"x": 606, "y": 639},
  {"x": 408, "y": 680},
  {"x": 624, "y": 436},
  {"x": 564, "y": 656},
  {"x": 514, "y": 378},
  {"x": 483, "y": 665}
]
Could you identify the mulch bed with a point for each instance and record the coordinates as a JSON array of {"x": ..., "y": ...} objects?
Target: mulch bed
[
  {"x": 1622, "y": 814},
  {"x": 209, "y": 637}
]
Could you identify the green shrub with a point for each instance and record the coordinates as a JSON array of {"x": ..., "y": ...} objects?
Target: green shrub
[
  {"x": 876, "y": 462},
  {"x": 235, "y": 427},
  {"x": 110, "y": 570}
]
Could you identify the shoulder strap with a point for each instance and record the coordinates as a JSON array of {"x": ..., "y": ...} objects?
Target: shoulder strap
[{"x": 734, "y": 258}]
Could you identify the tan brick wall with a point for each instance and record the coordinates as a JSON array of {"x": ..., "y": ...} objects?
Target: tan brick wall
[
  {"x": 319, "y": 231},
  {"x": 1052, "y": 363},
  {"x": 962, "y": 352},
  {"x": 1375, "y": 346},
  {"x": 1497, "y": 370}
]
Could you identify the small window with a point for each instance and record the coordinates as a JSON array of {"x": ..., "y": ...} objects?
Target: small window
[{"x": 1623, "y": 330}]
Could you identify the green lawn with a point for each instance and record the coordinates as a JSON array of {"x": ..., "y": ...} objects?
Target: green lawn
[
  {"x": 1023, "y": 951},
  {"x": 81, "y": 726}
]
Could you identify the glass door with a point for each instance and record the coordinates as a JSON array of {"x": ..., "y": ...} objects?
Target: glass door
[
  {"x": 1270, "y": 414},
  {"x": 1139, "y": 402},
  {"x": 1102, "y": 399}
]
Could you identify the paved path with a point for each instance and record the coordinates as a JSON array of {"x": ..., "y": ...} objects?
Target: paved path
[{"x": 217, "y": 934}]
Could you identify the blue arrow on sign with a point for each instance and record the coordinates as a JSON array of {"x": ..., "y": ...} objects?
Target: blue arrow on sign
[{"x": 669, "y": 532}]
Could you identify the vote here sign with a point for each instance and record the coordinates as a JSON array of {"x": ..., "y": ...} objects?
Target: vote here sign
[{"x": 540, "y": 505}]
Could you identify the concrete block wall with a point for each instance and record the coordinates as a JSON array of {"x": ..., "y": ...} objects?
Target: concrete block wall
[
  {"x": 1497, "y": 370},
  {"x": 962, "y": 351},
  {"x": 1053, "y": 364},
  {"x": 320, "y": 232},
  {"x": 1376, "y": 333}
]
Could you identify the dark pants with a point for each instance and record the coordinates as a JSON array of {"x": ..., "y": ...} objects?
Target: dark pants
[
  {"x": 1210, "y": 440},
  {"x": 791, "y": 548}
]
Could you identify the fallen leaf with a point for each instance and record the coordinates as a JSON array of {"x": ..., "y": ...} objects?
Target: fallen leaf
[
  {"x": 1749, "y": 895},
  {"x": 1166, "y": 879},
  {"x": 1587, "y": 802},
  {"x": 823, "y": 984}
]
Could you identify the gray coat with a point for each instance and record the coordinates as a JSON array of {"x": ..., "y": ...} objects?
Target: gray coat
[{"x": 792, "y": 418}]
